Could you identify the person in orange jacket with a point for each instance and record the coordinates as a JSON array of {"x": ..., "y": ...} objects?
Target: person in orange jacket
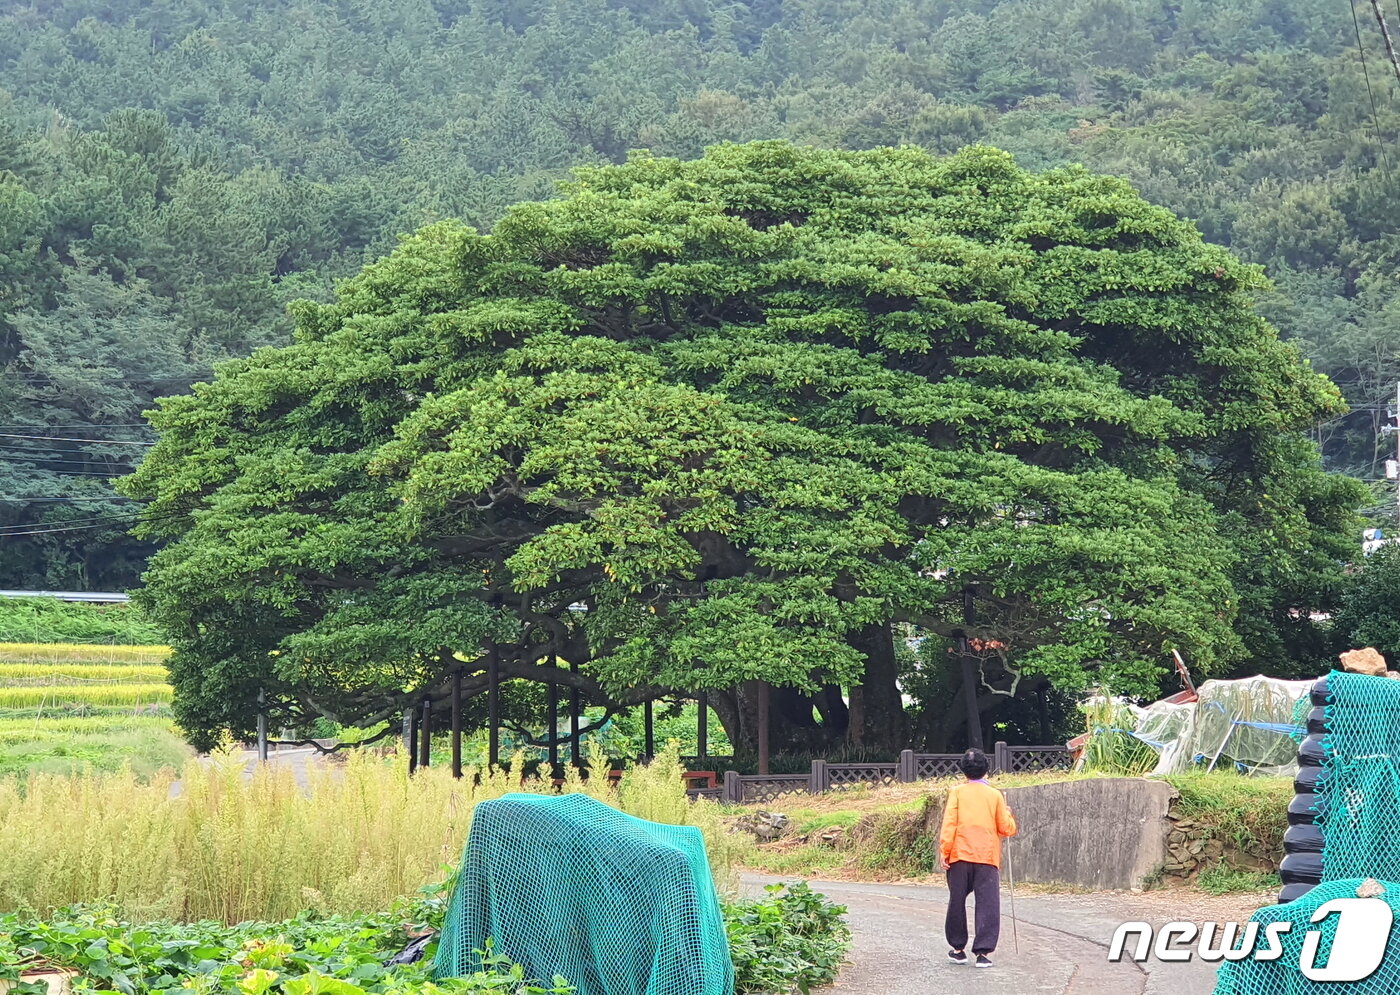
[{"x": 974, "y": 822}]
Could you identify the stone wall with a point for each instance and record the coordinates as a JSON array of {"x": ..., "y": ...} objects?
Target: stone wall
[{"x": 1193, "y": 847}]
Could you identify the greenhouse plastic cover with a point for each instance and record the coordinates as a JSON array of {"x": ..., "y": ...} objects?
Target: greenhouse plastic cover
[
  {"x": 1255, "y": 723},
  {"x": 569, "y": 886}
]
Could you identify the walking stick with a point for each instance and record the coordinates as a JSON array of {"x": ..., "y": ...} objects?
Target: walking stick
[{"x": 1011, "y": 887}]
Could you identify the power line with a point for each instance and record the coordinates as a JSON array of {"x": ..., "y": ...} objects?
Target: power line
[
  {"x": 1375, "y": 117},
  {"x": 31, "y": 458},
  {"x": 94, "y": 520},
  {"x": 1385, "y": 33},
  {"x": 79, "y": 473},
  {"x": 129, "y": 377},
  {"x": 53, "y": 438},
  {"x": 134, "y": 518},
  {"x": 64, "y": 500},
  {"x": 74, "y": 428}
]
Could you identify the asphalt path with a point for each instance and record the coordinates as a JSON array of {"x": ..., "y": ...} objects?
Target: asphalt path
[{"x": 898, "y": 946}]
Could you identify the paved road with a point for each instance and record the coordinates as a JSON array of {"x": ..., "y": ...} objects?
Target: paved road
[{"x": 899, "y": 949}]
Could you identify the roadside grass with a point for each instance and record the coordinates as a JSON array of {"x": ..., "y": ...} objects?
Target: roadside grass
[
  {"x": 893, "y": 829},
  {"x": 1222, "y": 880},
  {"x": 1248, "y": 813}
]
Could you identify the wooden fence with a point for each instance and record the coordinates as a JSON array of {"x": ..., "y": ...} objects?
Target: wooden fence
[{"x": 910, "y": 767}]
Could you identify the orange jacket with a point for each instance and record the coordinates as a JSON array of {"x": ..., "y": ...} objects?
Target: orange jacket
[{"x": 974, "y": 821}]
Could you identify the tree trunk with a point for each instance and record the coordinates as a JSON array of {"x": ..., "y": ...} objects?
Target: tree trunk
[
  {"x": 884, "y": 721},
  {"x": 792, "y": 724}
]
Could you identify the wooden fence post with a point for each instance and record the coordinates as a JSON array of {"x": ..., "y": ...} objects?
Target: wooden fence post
[
  {"x": 908, "y": 767},
  {"x": 819, "y": 779},
  {"x": 1002, "y": 762},
  {"x": 733, "y": 790}
]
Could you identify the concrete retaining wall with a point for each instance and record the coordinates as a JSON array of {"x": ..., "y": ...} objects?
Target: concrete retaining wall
[{"x": 1098, "y": 833}]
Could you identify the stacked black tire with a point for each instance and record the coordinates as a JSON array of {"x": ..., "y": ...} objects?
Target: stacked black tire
[{"x": 1301, "y": 869}]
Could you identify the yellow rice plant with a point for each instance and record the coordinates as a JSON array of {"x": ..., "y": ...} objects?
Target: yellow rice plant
[
  {"x": 91, "y": 694},
  {"x": 81, "y": 653},
  {"x": 20, "y": 674},
  {"x": 231, "y": 844},
  {"x": 33, "y": 728}
]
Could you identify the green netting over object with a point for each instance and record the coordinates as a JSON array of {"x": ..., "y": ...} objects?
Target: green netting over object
[
  {"x": 1358, "y": 797},
  {"x": 1284, "y": 975},
  {"x": 569, "y": 886}
]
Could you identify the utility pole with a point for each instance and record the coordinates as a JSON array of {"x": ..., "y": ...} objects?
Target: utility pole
[{"x": 1371, "y": 543}]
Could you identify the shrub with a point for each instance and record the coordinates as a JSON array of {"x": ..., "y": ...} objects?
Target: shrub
[{"x": 794, "y": 938}]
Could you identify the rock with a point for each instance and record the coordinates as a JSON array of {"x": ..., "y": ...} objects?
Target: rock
[
  {"x": 1184, "y": 824},
  {"x": 835, "y": 837},
  {"x": 1240, "y": 861},
  {"x": 765, "y": 826},
  {"x": 1196, "y": 847},
  {"x": 1370, "y": 888},
  {"x": 1364, "y": 661},
  {"x": 1215, "y": 848},
  {"x": 1177, "y": 836}
]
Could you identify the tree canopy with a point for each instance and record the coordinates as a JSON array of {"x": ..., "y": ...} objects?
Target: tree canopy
[
  {"x": 189, "y": 169},
  {"x": 698, "y": 423}
]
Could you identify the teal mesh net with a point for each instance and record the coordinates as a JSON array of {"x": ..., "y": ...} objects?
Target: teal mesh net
[
  {"x": 1358, "y": 813},
  {"x": 569, "y": 886},
  {"x": 1358, "y": 798},
  {"x": 1284, "y": 975}
]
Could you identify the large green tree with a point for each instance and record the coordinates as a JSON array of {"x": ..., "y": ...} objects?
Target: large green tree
[{"x": 698, "y": 424}]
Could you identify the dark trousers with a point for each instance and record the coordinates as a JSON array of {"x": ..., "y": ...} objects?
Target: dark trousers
[{"x": 984, "y": 882}]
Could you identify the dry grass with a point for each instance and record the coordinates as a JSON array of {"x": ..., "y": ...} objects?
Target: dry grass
[{"x": 233, "y": 846}]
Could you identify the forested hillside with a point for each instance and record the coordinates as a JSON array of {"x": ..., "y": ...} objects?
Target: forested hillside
[{"x": 172, "y": 174}]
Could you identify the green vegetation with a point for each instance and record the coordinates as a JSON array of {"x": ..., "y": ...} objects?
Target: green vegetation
[
  {"x": 228, "y": 850},
  {"x": 47, "y": 620},
  {"x": 69, "y": 707},
  {"x": 1248, "y": 813},
  {"x": 1111, "y": 749},
  {"x": 754, "y": 427},
  {"x": 893, "y": 831},
  {"x": 1368, "y": 615},
  {"x": 1221, "y": 880},
  {"x": 791, "y": 939},
  {"x": 170, "y": 182},
  {"x": 309, "y": 953},
  {"x": 230, "y": 847}
]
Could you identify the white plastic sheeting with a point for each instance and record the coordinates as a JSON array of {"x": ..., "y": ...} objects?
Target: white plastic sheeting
[{"x": 1254, "y": 723}]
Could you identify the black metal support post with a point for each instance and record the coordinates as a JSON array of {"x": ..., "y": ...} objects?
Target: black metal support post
[{"x": 457, "y": 723}]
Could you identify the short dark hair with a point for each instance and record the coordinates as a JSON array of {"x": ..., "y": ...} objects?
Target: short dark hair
[{"x": 974, "y": 764}]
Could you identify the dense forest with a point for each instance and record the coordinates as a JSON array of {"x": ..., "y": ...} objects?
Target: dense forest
[{"x": 173, "y": 174}]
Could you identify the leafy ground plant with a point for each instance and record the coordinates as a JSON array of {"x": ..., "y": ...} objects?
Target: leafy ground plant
[
  {"x": 793, "y": 939},
  {"x": 308, "y": 955}
]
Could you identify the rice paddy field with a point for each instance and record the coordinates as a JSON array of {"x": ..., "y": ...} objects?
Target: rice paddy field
[{"x": 67, "y": 707}]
